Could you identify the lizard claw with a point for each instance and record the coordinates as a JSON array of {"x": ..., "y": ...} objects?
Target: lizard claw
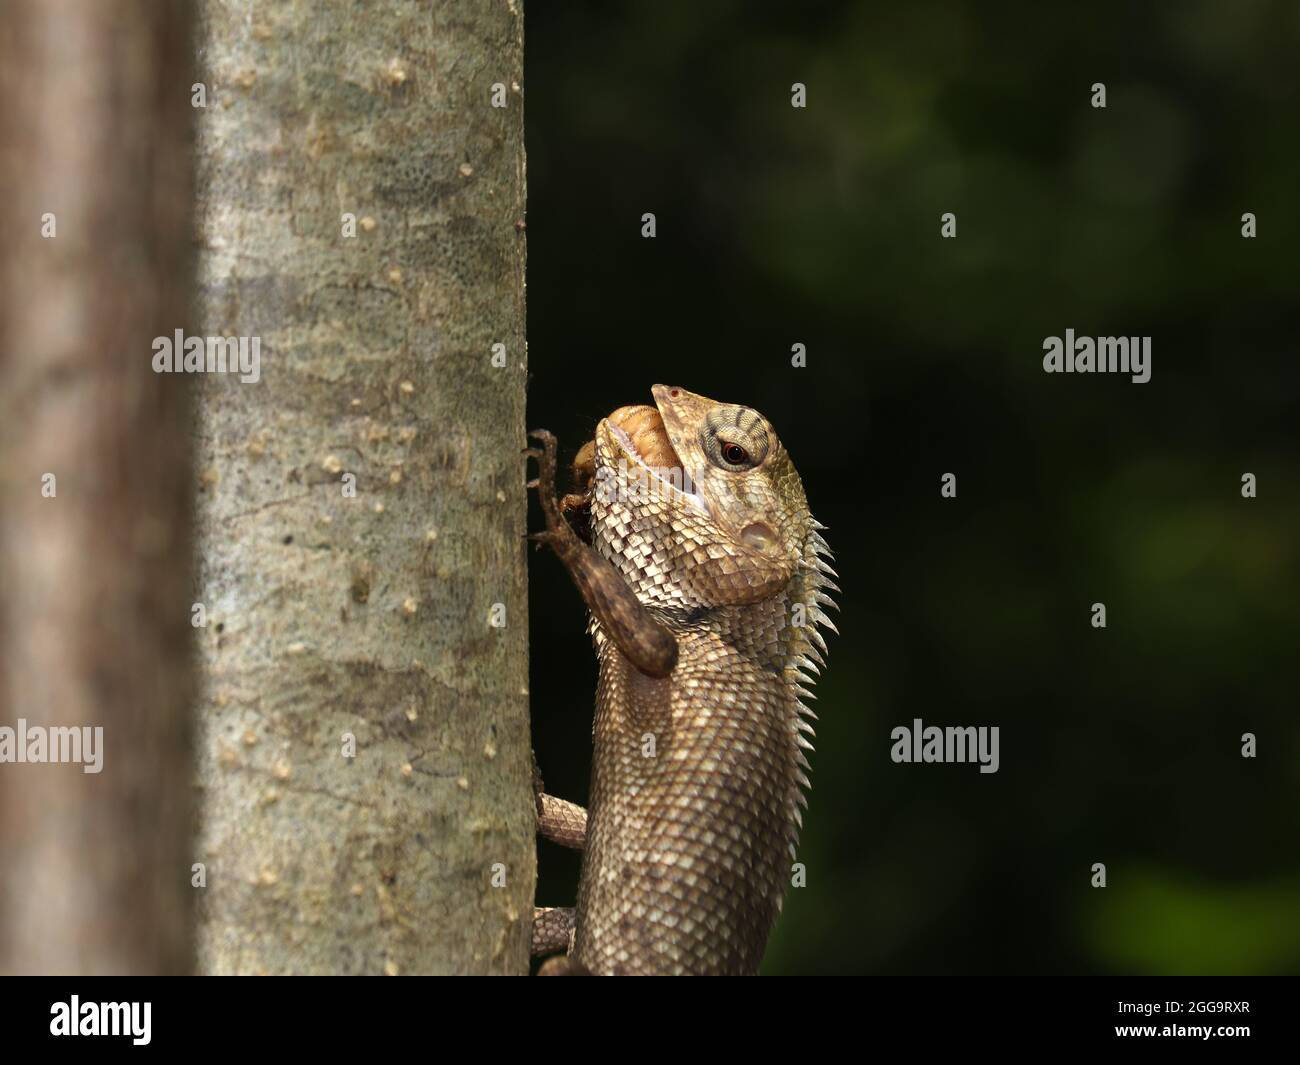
[{"x": 544, "y": 482}]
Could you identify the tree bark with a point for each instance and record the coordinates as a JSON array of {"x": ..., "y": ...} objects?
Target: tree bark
[
  {"x": 362, "y": 507},
  {"x": 95, "y": 485}
]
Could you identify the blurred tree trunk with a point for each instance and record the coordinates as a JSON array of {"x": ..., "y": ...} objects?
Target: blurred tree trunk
[
  {"x": 362, "y": 504},
  {"x": 95, "y": 483}
]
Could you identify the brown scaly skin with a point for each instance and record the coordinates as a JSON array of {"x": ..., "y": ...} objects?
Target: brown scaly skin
[{"x": 705, "y": 595}]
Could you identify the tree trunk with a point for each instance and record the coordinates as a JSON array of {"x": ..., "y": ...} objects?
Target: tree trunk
[
  {"x": 95, "y": 487},
  {"x": 362, "y": 504}
]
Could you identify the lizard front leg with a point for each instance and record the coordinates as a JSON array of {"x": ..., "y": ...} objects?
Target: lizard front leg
[{"x": 648, "y": 645}]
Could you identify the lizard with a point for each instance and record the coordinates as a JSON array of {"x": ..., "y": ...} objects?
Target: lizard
[{"x": 706, "y": 579}]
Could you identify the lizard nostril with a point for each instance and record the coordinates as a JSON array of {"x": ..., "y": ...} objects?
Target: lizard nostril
[{"x": 758, "y": 536}]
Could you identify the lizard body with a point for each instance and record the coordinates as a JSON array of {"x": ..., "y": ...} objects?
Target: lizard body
[{"x": 706, "y": 579}]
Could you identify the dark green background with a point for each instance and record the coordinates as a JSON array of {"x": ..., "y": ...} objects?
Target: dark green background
[{"x": 821, "y": 226}]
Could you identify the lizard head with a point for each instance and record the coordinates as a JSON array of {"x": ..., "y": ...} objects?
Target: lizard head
[{"x": 697, "y": 501}]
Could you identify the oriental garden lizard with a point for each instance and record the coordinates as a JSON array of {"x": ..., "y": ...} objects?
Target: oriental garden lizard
[{"x": 706, "y": 579}]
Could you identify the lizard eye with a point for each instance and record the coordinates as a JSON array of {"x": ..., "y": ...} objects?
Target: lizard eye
[
  {"x": 735, "y": 455},
  {"x": 735, "y": 438}
]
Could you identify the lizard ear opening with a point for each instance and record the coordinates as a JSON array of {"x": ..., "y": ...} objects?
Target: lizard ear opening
[{"x": 760, "y": 537}]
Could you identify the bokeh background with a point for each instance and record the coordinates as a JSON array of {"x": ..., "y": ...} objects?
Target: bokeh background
[{"x": 821, "y": 226}]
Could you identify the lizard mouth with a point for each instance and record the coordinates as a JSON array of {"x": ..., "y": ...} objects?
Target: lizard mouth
[{"x": 638, "y": 435}]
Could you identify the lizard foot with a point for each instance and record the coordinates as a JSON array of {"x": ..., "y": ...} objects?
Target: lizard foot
[{"x": 544, "y": 483}]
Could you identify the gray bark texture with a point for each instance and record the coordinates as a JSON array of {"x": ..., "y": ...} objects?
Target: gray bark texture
[
  {"x": 336, "y": 615},
  {"x": 95, "y": 570}
]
